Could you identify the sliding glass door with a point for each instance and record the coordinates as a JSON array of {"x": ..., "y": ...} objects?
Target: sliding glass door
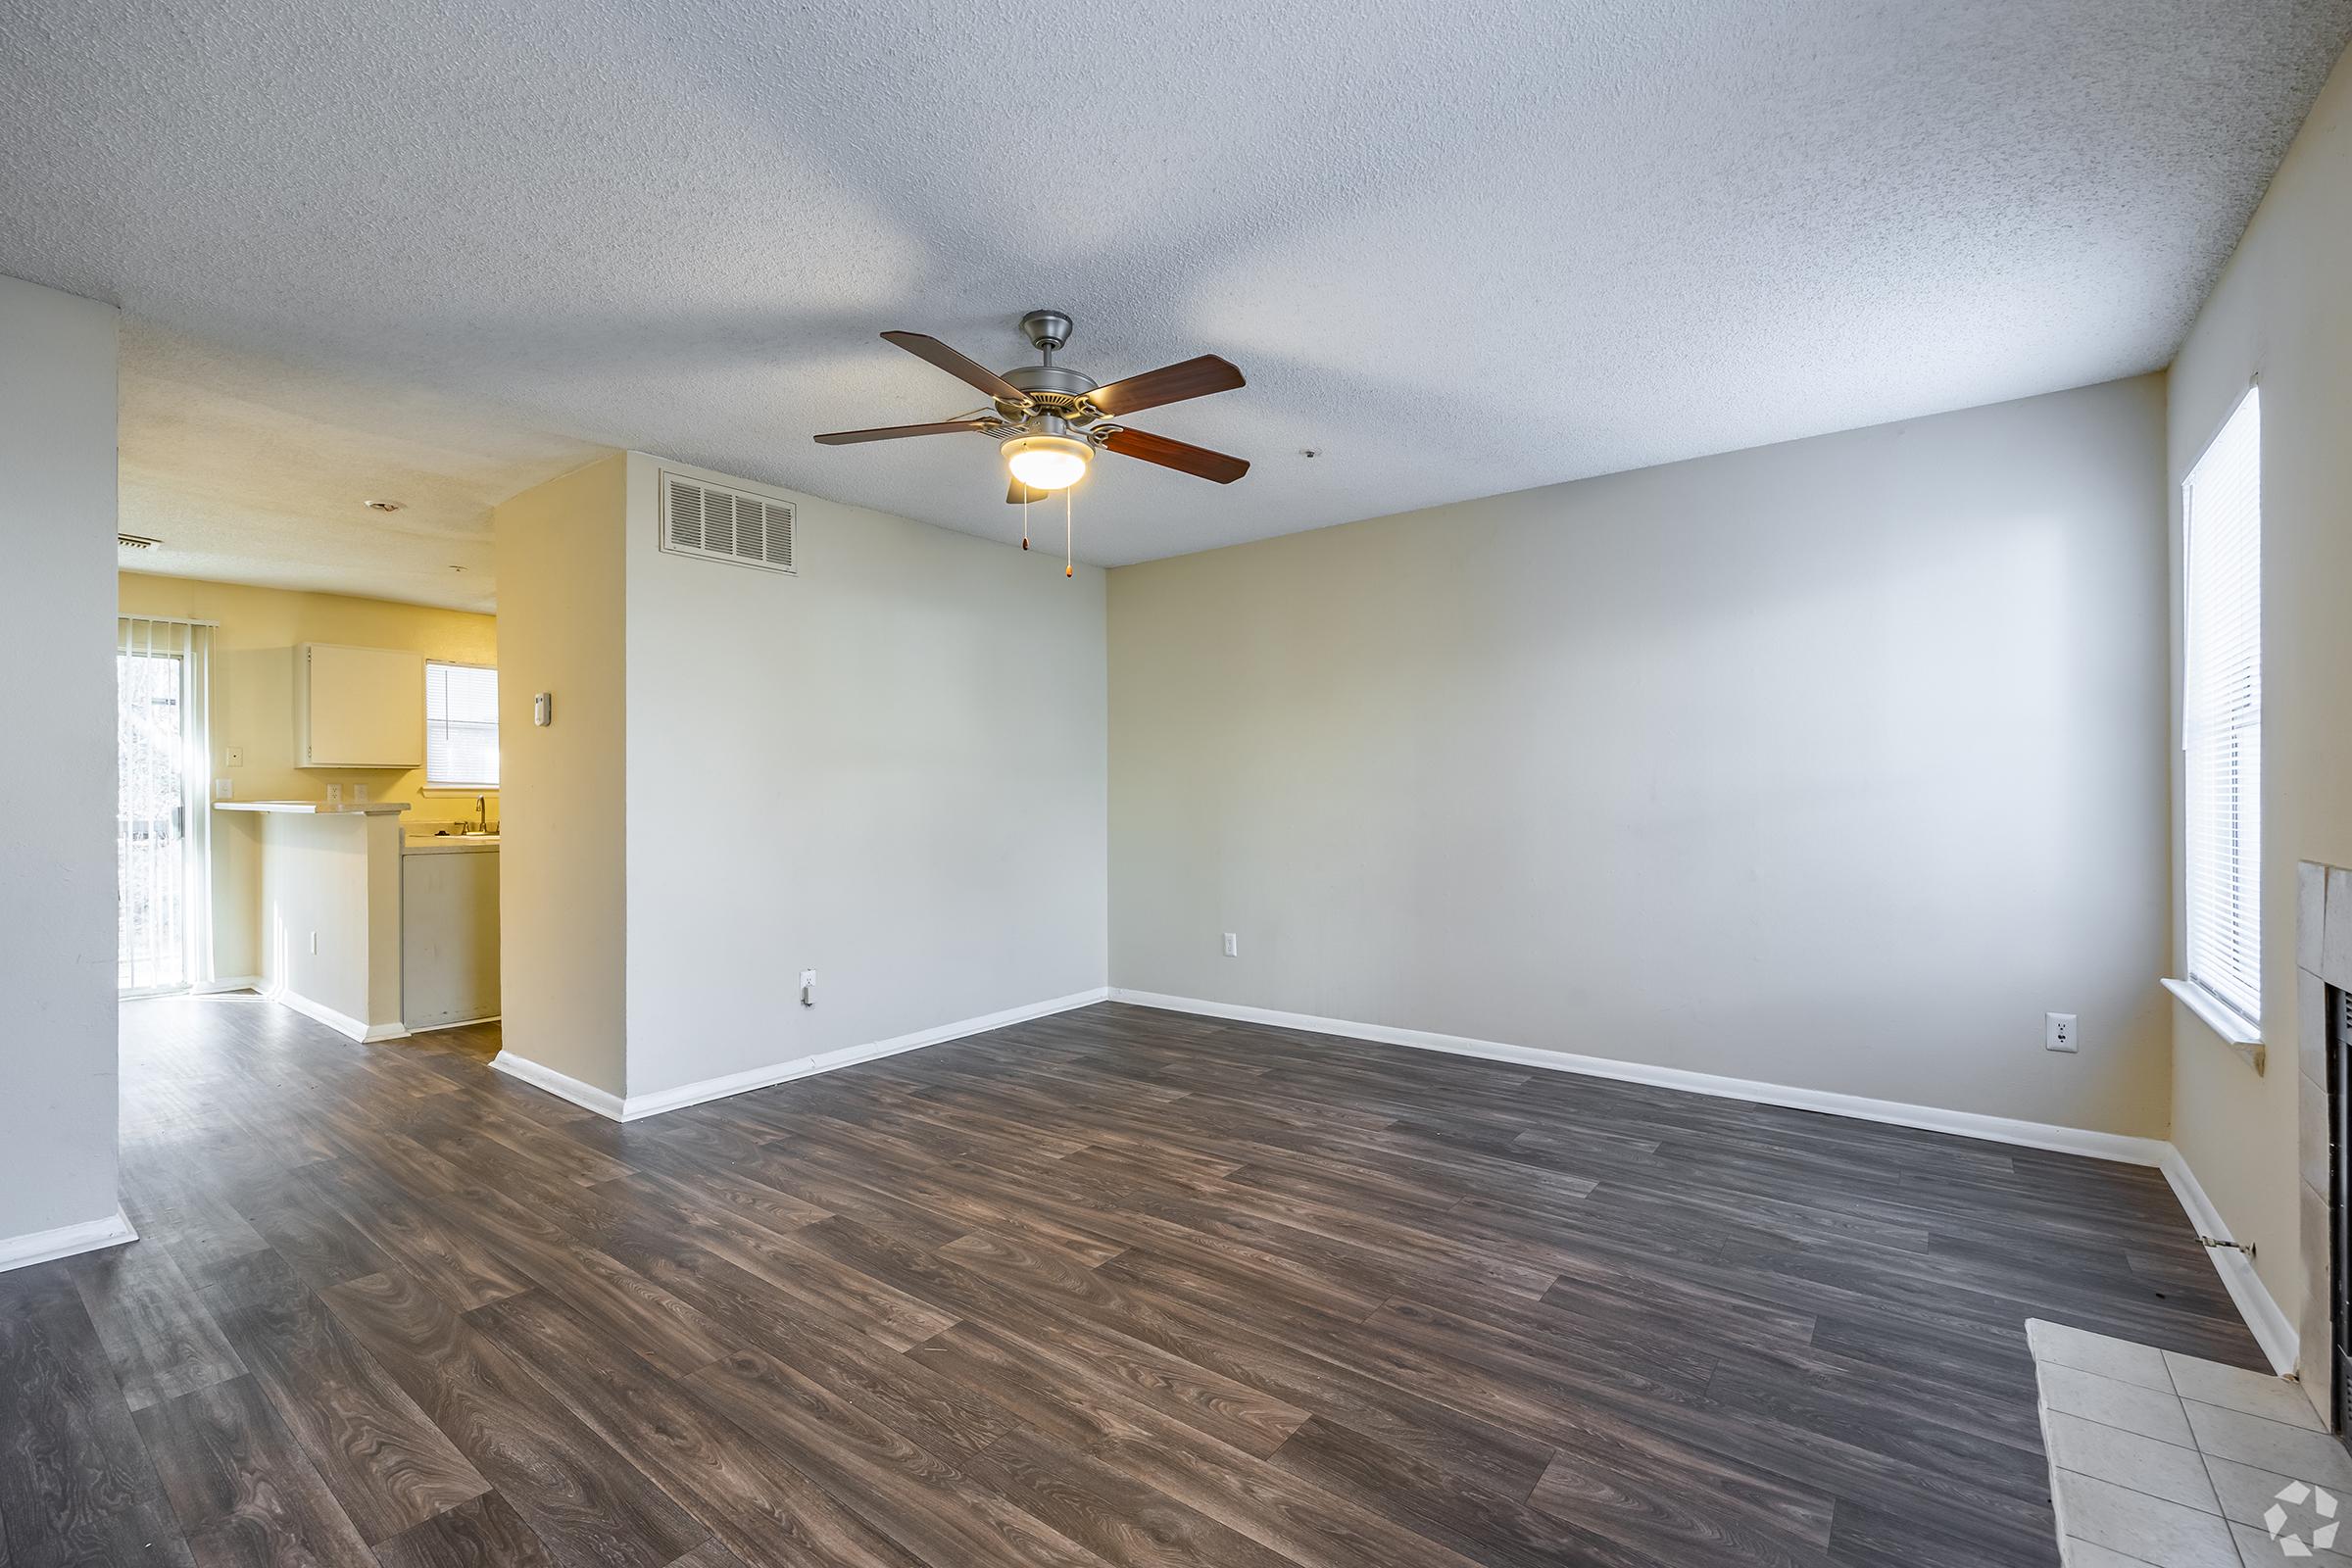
[{"x": 162, "y": 837}]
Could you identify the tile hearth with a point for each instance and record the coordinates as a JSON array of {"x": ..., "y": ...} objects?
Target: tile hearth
[{"x": 2161, "y": 1460}]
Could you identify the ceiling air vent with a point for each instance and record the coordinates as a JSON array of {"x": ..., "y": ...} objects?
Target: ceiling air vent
[
  {"x": 136, "y": 541},
  {"x": 702, "y": 519}
]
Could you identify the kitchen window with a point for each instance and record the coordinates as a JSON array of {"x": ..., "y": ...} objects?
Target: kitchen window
[{"x": 461, "y": 726}]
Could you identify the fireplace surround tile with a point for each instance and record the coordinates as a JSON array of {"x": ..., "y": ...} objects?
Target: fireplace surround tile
[
  {"x": 2311, "y": 1031},
  {"x": 2317, "y": 1367},
  {"x": 2100, "y": 1354},
  {"x": 2234, "y": 1387},
  {"x": 2179, "y": 1475},
  {"x": 2311, "y": 915},
  {"x": 2310, "y": 1133},
  {"x": 2335, "y": 928}
]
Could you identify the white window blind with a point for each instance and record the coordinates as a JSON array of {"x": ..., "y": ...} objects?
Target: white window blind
[
  {"x": 461, "y": 726},
  {"x": 2222, "y": 713}
]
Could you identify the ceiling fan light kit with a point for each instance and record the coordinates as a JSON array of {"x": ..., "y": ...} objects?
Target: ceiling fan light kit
[
  {"x": 1049, "y": 420},
  {"x": 1048, "y": 460}
]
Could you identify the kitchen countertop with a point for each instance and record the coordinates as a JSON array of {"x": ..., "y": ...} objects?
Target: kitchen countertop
[
  {"x": 315, "y": 807},
  {"x": 449, "y": 844}
]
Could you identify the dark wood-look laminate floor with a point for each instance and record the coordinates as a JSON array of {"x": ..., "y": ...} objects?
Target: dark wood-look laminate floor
[{"x": 1118, "y": 1287}]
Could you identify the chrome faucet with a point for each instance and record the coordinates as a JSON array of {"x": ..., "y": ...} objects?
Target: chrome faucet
[{"x": 481, "y": 814}]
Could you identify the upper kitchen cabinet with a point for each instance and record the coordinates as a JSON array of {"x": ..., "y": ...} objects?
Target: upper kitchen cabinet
[{"x": 357, "y": 707}]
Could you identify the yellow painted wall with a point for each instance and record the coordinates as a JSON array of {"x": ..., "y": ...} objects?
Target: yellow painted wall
[
  {"x": 253, "y": 713},
  {"x": 562, "y": 882}
]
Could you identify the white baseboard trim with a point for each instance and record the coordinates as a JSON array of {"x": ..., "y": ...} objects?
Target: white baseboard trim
[
  {"x": 562, "y": 1086},
  {"x": 1963, "y": 1123},
  {"x": 2273, "y": 1329},
  {"x": 235, "y": 982},
  {"x": 709, "y": 1088},
  {"x": 458, "y": 1023},
  {"x": 42, "y": 1246},
  {"x": 341, "y": 1023},
  {"x": 635, "y": 1108}
]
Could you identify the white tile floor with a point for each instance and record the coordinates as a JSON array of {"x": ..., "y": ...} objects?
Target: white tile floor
[{"x": 2159, "y": 1460}]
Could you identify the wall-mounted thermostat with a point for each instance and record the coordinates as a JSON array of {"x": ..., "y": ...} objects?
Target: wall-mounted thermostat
[{"x": 543, "y": 710}]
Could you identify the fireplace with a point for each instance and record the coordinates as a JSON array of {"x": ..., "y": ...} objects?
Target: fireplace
[
  {"x": 2338, "y": 1271},
  {"x": 2324, "y": 1118}
]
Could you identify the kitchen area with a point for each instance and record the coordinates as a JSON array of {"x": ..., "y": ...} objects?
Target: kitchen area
[
  {"x": 376, "y": 924},
  {"x": 339, "y": 826}
]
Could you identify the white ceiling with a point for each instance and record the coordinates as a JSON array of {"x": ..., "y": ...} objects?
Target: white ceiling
[{"x": 1457, "y": 250}]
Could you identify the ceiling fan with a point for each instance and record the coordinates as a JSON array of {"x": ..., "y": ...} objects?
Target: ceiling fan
[{"x": 1051, "y": 419}]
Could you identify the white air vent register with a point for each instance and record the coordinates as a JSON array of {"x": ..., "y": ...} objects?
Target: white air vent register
[{"x": 702, "y": 520}]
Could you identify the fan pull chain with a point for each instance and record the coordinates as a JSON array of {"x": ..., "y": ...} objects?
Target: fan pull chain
[
  {"x": 1068, "y": 567},
  {"x": 1024, "y": 516}
]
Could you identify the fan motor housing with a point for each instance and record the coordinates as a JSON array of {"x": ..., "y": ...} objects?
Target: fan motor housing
[{"x": 1052, "y": 378}]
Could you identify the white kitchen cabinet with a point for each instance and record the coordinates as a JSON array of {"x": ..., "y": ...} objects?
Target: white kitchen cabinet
[
  {"x": 448, "y": 937},
  {"x": 357, "y": 707}
]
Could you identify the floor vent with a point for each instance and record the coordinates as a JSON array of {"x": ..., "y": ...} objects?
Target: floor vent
[{"x": 702, "y": 520}]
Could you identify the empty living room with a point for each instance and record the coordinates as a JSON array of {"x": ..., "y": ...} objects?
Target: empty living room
[{"x": 1198, "y": 785}]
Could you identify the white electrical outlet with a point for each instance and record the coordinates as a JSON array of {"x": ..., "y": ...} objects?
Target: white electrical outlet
[
  {"x": 1233, "y": 944},
  {"x": 358, "y": 795},
  {"x": 2057, "y": 1031},
  {"x": 334, "y": 795},
  {"x": 224, "y": 788}
]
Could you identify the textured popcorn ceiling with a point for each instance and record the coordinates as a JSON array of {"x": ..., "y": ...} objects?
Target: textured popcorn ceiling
[{"x": 1457, "y": 250}]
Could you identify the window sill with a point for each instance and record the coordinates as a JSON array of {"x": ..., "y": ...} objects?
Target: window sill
[{"x": 2235, "y": 1031}]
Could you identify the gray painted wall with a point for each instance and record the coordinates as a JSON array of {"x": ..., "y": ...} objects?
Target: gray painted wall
[
  {"x": 57, "y": 793},
  {"x": 887, "y": 769},
  {"x": 1833, "y": 764}
]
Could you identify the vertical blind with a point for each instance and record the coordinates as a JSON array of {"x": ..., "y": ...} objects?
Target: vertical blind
[
  {"x": 2221, "y": 727},
  {"x": 461, "y": 726},
  {"x": 163, "y": 824}
]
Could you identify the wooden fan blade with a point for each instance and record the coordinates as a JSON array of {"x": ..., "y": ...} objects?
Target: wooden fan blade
[
  {"x": 1177, "y": 455},
  {"x": 970, "y": 371},
  {"x": 892, "y": 432},
  {"x": 1170, "y": 383},
  {"x": 1016, "y": 492}
]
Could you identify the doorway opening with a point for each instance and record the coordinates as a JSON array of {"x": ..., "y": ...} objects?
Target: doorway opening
[{"x": 162, "y": 828}]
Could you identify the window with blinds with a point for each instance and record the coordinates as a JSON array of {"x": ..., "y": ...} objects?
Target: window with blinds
[
  {"x": 2220, "y": 727},
  {"x": 461, "y": 726}
]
